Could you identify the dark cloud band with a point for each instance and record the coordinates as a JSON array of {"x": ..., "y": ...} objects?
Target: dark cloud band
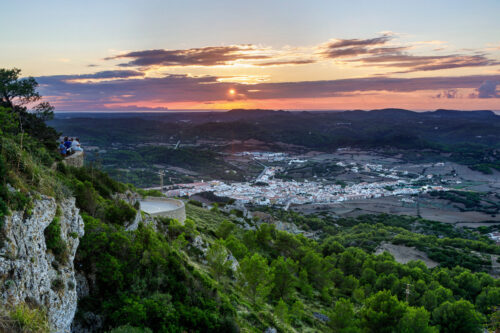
[
  {"x": 182, "y": 88},
  {"x": 206, "y": 56}
]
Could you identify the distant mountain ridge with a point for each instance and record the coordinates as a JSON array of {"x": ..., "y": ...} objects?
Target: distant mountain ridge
[
  {"x": 325, "y": 130},
  {"x": 385, "y": 111}
]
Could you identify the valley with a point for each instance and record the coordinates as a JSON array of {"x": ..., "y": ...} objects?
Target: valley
[{"x": 368, "y": 176}]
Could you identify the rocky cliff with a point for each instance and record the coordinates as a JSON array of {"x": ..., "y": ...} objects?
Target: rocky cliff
[
  {"x": 31, "y": 273},
  {"x": 76, "y": 160}
]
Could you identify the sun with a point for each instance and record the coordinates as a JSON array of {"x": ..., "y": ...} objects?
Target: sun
[{"x": 232, "y": 91}]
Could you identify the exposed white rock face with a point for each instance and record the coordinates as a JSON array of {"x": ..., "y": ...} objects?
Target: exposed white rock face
[
  {"x": 200, "y": 244},
  {"x": 27, "y": 270},
  {"x": 234, "y": 262},
  {"x": 130, "y": 197},
  {"x": 135, "y": 224}
]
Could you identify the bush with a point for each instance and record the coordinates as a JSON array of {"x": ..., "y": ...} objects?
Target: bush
[
  {"x": 3, "y": 209},
  {"x": 457, "y": 317},
  {"x": 71, "y": 285},
  {"x": 87, "y": 197},
  {"x": 119, "y": 212},
  {"x": 195, "y": 203},
  {"x": 57, "y": 284},
  {"x": 149, "y": 193},
  {"x": 100, "y": 180},
  {"x": 55, "y": 242},
  {"x": 130, "y": 329},
  {"x": 225, "y": 229},
  {"x": 171, "y": 227},
  {"x": 13, "y": 200}
]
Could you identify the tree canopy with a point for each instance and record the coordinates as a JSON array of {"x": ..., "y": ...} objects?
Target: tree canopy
[{"x": 20, "y": 97}]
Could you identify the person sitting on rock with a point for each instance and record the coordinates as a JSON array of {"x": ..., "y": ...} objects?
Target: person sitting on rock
[
  {"x": 75, "y": 145},
  {"x": 67, "y": 142},
  {"x": 62, "y": 149}
]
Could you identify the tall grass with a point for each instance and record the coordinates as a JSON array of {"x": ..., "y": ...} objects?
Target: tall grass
[{"x": 23, "y": 319}]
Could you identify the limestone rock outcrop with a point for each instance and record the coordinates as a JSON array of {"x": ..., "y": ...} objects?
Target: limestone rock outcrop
[
  {"x": 31, "y": 273},
  {"x": 76, "y": 160}
]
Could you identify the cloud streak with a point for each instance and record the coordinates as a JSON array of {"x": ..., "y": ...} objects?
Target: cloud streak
[
  {"x": 346, "y": 43},
  {"x": 205, "y": 56},
  {"x": 98, "y": 76},
  {"x": 376, "y": 52},
  {"x": 288, "y": 62},
  {"x": 411, "y": 63},
  {"x": 111, "y": 74}
]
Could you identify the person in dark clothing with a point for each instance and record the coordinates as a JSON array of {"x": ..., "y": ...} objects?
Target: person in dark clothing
[
  {"x": 62, "y": 149},
  {"x": 67, "y": 144}
]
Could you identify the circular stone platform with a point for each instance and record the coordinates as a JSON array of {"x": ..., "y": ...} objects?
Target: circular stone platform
[{"x": 166, "y": 207}]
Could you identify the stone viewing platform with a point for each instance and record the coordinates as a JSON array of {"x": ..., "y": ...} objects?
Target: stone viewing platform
[
  {"x": 75, "y": 160},
  {"x": 165, "y": 207}
]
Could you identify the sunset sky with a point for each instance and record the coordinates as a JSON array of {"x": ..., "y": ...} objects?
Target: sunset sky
[{"x": 286, "y": 54}]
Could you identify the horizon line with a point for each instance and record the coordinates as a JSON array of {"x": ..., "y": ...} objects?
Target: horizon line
[{"x": 287, "y": 110}]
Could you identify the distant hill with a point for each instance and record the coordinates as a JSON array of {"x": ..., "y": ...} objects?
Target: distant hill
[{"x": 473, "y": 136}]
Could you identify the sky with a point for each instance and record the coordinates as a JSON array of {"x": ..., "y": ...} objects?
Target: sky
[{"x": 272, "y": 54}]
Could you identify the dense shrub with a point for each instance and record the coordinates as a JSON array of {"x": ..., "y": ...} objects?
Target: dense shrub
[
  {"x": 119, "y": 212},
  {"x": 195, "y": 203},
  {"x": 143, "y": 282},
  {"x": 100, "y": 180},
  {"x": 130, "y": 329},
  {"x": 149, "y": 193},
  {"x": 55, "y": 242}
]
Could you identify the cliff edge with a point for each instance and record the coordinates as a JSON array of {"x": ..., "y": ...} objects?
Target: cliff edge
[{"x": 30, "y": 272}]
